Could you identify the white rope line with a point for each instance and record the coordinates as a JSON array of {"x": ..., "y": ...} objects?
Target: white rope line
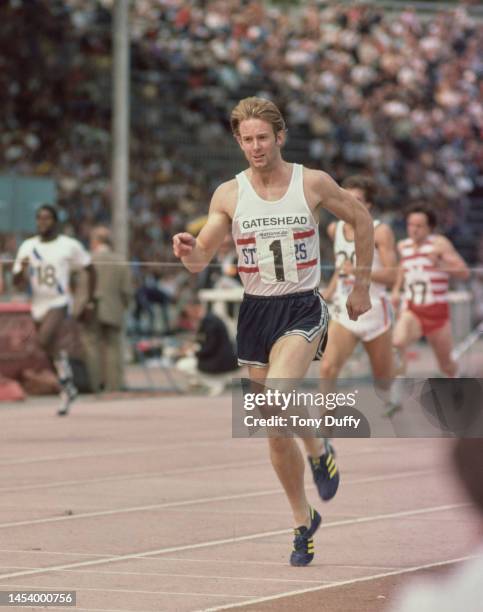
[
  {"x": 459, "y": 350},
  {"x": 178, "y": 264}
]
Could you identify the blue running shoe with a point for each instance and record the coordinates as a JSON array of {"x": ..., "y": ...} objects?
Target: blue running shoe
[
  {"x": 303, "y": 544},
  {"x": 326, "y": 474}
]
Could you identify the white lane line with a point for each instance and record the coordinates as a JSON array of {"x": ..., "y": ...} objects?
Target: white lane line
[
  {"x": 76, "y": 609},
  {"x": 105, "y": 610},
  {"x": 164, "y": 444},
  {"x": 210, "y": 543},
  {"x": 269, "y": 563},
  {"x": 407, "y": 570},
  {"x": 54, "y": 552},
  {"x": 189, "y": 502},
  {"x": 196, "y": 576},
  {"x": 168, "y": 559},
  {"x": 201, "y": 500},
  {"x": 26, "y": 461},
  {"x": 126, "y": 591},
  {"x": 170, "y": 575},
  {"x": 134, "y": 476},
  {"x": 102, "y": 609}
]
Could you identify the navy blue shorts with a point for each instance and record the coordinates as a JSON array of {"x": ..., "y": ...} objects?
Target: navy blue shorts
[{"x": 264, "y": 319}]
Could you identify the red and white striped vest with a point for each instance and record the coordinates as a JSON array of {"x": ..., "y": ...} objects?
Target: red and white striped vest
[{"x": 424, "y": 283}]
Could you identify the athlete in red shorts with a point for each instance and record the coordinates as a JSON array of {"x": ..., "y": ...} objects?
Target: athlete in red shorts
[{"x": 427, "y": 262}]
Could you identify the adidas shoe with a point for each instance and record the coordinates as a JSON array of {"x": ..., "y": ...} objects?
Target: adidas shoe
[
  {"x": 303, "y": 544},
  {"x": 325, "y": 473}
]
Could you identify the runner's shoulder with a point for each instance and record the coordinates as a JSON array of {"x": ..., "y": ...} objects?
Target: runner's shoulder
[
  {"x": 316, "y": 178},
  {"x": 383, "y": 231},
  {"x": 228, "y": 187},
  {"x": 25, "y": 244},
  {"x": 225, "y": 196}
]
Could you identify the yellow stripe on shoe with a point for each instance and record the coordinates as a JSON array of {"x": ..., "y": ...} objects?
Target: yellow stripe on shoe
[{"x": 325, "y": 474}]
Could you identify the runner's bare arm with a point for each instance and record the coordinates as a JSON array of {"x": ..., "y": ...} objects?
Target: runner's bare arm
[
  {"x": 386, "y": 246},
  {"x": 196, "y": 253},
  {"x": 323, "y": 191},
  {"x": 398, "y": 283},
  {"x": 328, "y": 292},
  {"x": 326, "y": 193},
  {"x": 344, "y": 206},
  {"x": 450, "y": 260},
  {"x": 331, "y": 230},
  {"x": 21, "y": 278},
  {"x": 396, "y": 288}
]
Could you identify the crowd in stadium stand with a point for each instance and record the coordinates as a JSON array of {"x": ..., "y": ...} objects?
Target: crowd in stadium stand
[{"x": 393, "y": 95}]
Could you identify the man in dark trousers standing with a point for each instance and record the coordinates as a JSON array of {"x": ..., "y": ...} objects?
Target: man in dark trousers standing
[{"x": 102, "y": 333}]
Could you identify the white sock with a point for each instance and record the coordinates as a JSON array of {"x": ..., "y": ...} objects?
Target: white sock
[{"x": 63, "y": 369}]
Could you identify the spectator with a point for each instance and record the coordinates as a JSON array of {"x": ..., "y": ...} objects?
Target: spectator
[
  {"x": 148, "y": 294},
  {"x": 102, "y": 333},
  {"x": 212, "y": 360}
]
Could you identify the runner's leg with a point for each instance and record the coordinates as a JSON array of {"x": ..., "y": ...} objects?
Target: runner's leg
[
  {"x": 407, "y": 330},
  {"x": 441, "y": 341}
]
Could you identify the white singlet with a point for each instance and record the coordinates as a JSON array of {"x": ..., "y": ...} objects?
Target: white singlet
[
  {"x": 277, "y": 242},
  {"x": 377, "y": 320},
  {"x": 50, "y": 265}
]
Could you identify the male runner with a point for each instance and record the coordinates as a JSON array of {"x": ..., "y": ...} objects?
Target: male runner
[
  {"x": 272, "y": 209},
  {"x": 427, "y": 261},
  {"x": 373, "y": 328},
  {"x": 44, "y": 263}
]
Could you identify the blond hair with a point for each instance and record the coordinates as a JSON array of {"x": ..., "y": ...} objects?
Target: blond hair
[{"x": 256, "y": 108}]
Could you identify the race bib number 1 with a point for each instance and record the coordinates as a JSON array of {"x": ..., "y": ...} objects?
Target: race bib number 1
[{"x": 276, "y": 256}]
